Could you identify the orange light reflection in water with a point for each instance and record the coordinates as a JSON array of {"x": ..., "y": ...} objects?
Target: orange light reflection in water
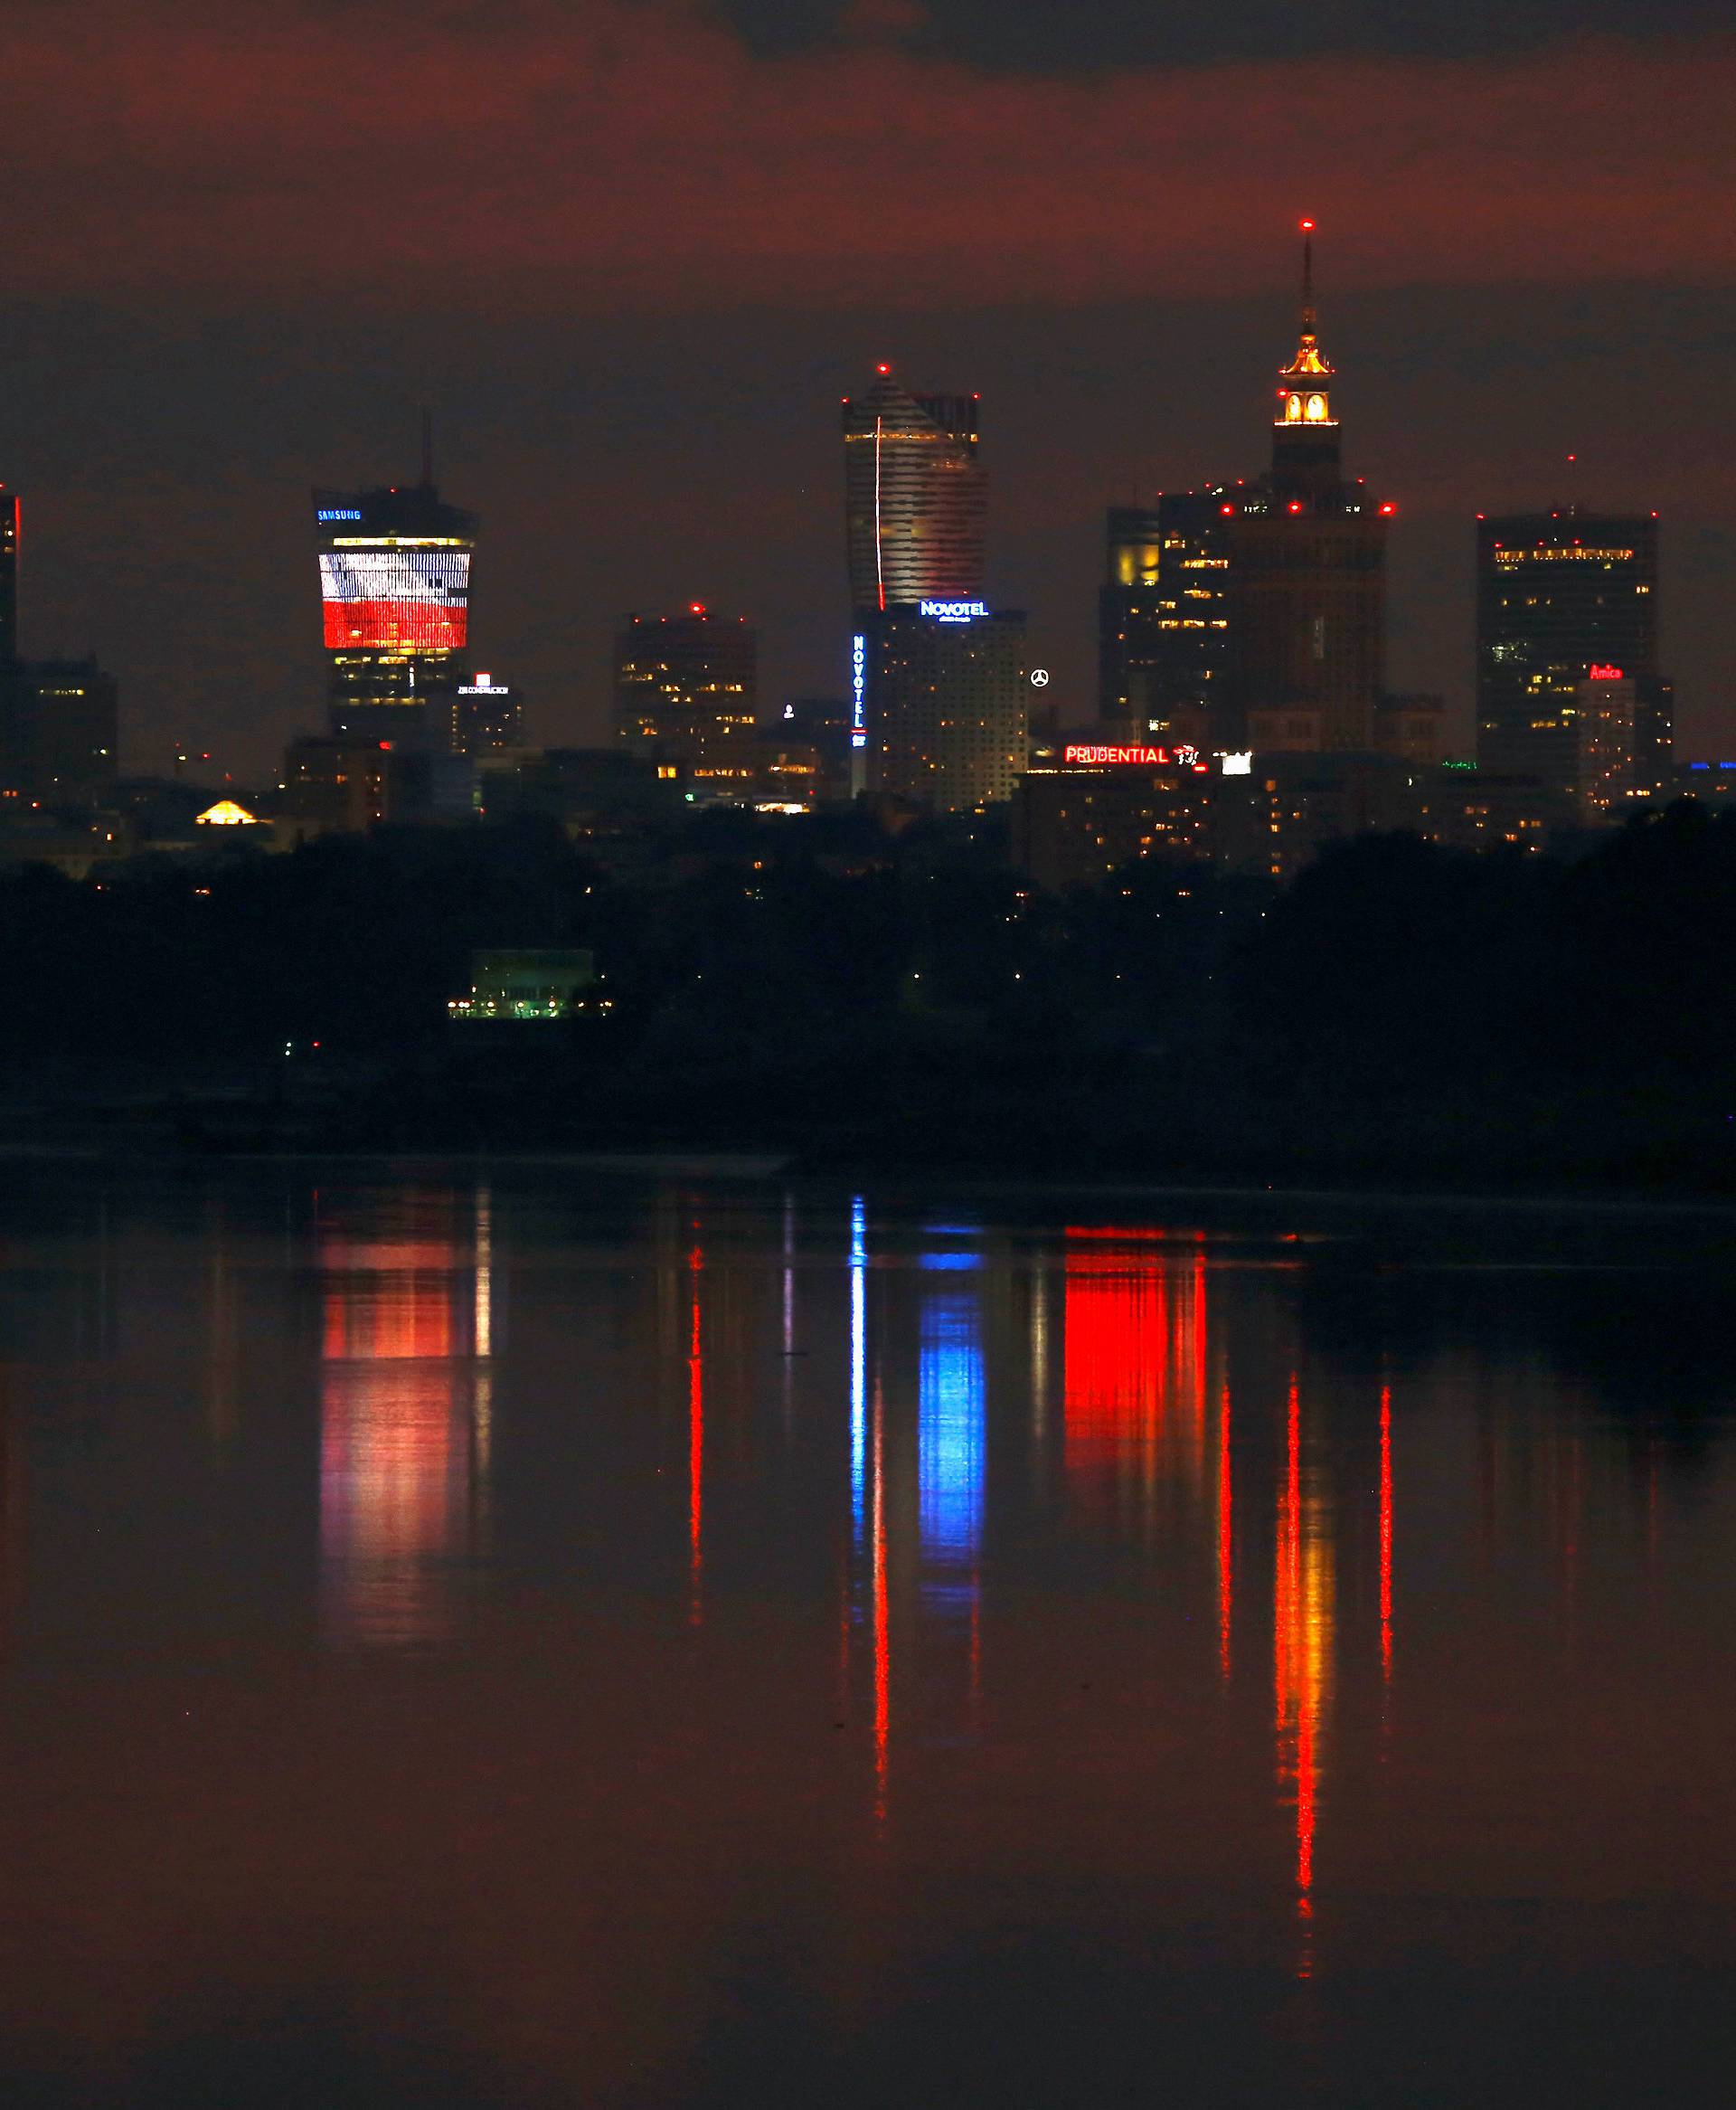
[
  {"x": 395, "y": 1452},
  {"x": 1226, "y": 1539},
  {"x": 1302, "y": 1628}
]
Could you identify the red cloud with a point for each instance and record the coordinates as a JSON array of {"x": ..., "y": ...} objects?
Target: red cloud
[{"x": 641, "y": 155}]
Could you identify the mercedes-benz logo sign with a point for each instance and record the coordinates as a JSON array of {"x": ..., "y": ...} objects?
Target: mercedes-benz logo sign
[{"x": 1039, "y": 677}]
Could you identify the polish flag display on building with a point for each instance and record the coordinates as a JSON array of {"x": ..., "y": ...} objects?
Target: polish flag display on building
[{"x": 382, "y": 597}]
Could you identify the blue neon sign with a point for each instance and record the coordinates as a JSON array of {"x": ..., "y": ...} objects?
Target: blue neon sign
[
  {"x": 340, "y": 513},
  {"x": 953, "y": 612},
  {"x": 859, "y": 691}
]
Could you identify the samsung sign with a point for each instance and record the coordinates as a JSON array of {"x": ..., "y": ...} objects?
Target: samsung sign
[
  {"x": 340, "y": 513},
  {"x": 952, "y": 611}
]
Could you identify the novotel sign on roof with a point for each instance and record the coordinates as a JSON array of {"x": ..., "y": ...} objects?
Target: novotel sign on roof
[{"x": 953, "y": 612}]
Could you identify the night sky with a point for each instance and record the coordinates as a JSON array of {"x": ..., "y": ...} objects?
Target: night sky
[{"x": 632, "y": 255}]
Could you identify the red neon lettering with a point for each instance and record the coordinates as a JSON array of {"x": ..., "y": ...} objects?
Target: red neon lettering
[
  {"x": 1158, "y": 757},
  {"x": 1603, "y": 674}
]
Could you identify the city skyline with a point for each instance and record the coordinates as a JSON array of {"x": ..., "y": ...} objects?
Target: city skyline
[
  {"x": 1503, "y": 303},
  {"x": 1431, "y": 619}
]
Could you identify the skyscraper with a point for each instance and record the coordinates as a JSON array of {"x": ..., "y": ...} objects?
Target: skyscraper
[
  {"x": 486, "y": 716},
  {"x": 948, "y": 683},
  {"x": 1306, "y": 573},
  {"x": 1130, "y": 642},
  {"x": 8, "y": 576},
  {"x": 1162, "y": 618},
  {"x": 915, "y": 498},
  {"x": 1559, "y": 595},
  {"x": 394, "y": 579},
  {"x": 685, "y": 689}
]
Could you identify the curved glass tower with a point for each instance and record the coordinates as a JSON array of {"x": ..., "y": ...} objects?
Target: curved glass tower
[{"x": 915, "y": 497}]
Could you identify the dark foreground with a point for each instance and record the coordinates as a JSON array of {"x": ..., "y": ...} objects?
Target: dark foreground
[
  {"x": 1399, "y": 1014},
  {"x": 542, "y": 1639}
]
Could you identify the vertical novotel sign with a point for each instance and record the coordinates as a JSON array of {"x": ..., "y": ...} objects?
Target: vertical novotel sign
[{"x": 859, "y": 691}]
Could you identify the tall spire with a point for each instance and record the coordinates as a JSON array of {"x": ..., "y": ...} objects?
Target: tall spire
[
  {"x": 1305, "y": 433},
  {"x": 1310, "y": 321},
  {"x": 1308, "y": 361}
]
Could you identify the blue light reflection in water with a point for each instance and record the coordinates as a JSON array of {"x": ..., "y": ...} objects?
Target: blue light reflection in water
[
  {"x": 858, "y": 1362},
  {"x": 951, "y": 1411}
]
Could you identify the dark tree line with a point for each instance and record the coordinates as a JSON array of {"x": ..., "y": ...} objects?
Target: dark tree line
[{"x": 1400, "y": 1011}]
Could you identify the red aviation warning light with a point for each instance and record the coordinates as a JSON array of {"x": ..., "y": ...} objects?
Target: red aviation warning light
[{"x": 1307, "y": 227}]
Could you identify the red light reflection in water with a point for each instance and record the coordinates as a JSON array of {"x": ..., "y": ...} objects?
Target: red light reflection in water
[
  {"x": 1134, "y": 1371},
  {"x": 1302, "y": 1628},
  {"x": 883, "y": 1635}
]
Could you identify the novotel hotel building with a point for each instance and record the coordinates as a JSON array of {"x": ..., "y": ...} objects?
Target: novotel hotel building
[
  {"x": 394, "y": 585},
  {"x": 941, "y": 686}
]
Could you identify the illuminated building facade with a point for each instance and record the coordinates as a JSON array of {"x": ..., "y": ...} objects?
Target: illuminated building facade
[
  {"x": 394, "y": 581},
  {"x": 915, "y": 499},
  {"x": 946, "y": 686},
  {"x": 1163, "y": 618},
  {"x": 1557, "y": 594},
  {"x": 1306, "y": 603},
  {"x": 1128, "y": 641},
  {"x": 1623, "y": 739},
  {"x": 484, "y": 716},
  {"x": 685, "y": 693},
  {"x": 1084, "y": 811}
]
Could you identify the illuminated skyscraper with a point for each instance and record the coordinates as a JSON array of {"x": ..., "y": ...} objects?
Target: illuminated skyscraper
[
  {"x": 394, "y": 579},
  {"x": 1306, "y": 574},
  {"x": 946, "y": 682},
  {"x": 1559, "y": 595},
  {"x": 686, "y": 688},
  {"x": 1162, "y": 618},
  {"x": 915, "y": 497},
  {"x": 486, "y": 716},
  {"x": 1128, "y": 642}
]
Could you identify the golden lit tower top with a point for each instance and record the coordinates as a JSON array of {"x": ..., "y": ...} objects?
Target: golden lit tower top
[{"x": 1305, "y": 433}]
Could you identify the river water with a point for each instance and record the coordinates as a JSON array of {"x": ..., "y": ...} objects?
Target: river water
[{"x": 544, "y": 1636}]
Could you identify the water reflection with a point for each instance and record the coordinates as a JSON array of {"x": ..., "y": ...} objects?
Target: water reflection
[
  {"x": 952, "y": 1410},
  {"x": 406, "y": 1413},
  {"x": 1208, "y": 1609},
  {"x": 1302, "y": 1633},
  {"x": 1136, "y": 1374}
]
